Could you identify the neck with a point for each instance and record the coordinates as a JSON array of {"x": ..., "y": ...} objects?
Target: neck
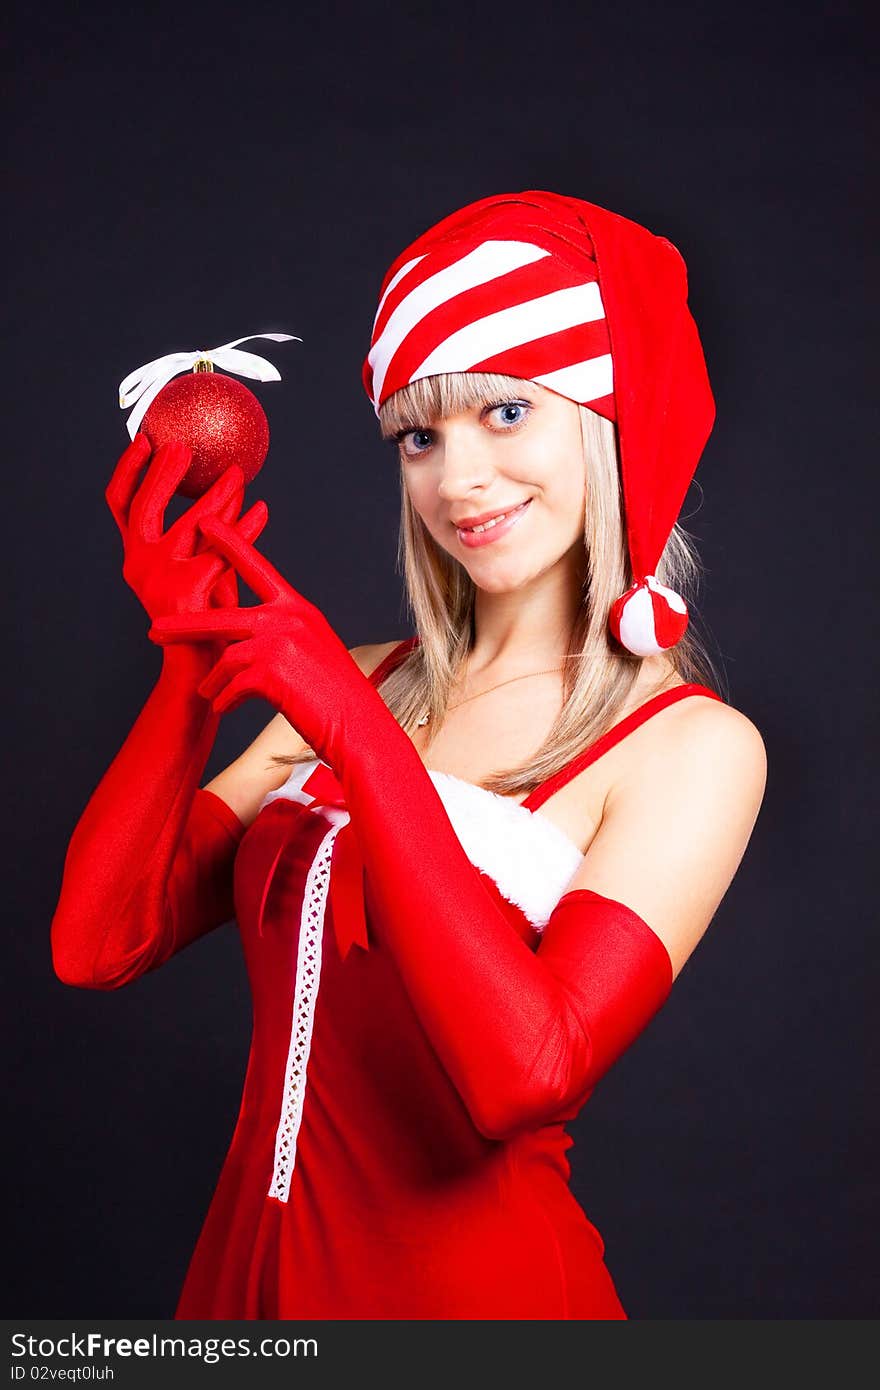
[{"x": 528, "y": 627}]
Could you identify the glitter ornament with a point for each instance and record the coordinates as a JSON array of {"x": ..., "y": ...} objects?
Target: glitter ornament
[{"x": 220, "y": 421}]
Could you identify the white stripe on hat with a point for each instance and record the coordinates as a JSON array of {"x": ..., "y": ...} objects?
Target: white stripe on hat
[
  {"x": 487, "y": 261},
  {"x": 583, "y": 381},
  {"x": 509, "y": 328},
  {"x": 404, "y": 270}
]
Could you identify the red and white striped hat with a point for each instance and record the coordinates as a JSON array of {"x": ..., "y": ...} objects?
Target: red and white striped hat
[{"x": 588, "y": 304}]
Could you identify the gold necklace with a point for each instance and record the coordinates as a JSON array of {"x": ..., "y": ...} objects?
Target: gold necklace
[{"x": 551, "y": 671}]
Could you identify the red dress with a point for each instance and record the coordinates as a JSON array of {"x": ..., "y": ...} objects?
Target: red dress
[{"x": 356, "y": 1185}]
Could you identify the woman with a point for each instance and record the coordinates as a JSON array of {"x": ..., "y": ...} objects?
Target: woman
[{"x": 467, "y": 867}]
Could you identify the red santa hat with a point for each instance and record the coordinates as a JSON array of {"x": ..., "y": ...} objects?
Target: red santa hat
[{"x": 588, "y": 304}]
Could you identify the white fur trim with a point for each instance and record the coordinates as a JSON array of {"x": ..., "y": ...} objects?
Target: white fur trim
[{"x": 529, "y": 858}]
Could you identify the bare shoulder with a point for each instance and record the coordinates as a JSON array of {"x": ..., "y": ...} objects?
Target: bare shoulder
[
  {"x": 701, "y": 739},
  {"x": 715, "y": 739},
  {"x": 371, "y": 654},
  {"x": 689, "y": 803},
  {"x": 702, "y": 718}
]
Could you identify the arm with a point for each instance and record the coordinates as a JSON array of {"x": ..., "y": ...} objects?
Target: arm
[
  {"x": 244, "y": 783},
  {"x": 523, "y": 1035},
  {"x": 121, "y": 911},
  {"x": 113, "y": 923}
]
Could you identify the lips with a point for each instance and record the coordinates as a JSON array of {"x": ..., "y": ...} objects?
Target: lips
[
  {"x": 494, "y": 530},
  {"x": 469, "y": 522}
]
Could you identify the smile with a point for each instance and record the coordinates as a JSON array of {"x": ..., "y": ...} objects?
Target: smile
[{"x": 493, "y": 530}]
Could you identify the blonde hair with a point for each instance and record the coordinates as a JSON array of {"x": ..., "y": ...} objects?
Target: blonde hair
[{"x": 599, "y": 675}]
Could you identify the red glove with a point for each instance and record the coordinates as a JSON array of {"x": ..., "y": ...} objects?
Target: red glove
[
  {"x": 149, "y": 866},
  {"x": 172, "y": 571},
  {"x": 523, "y": 1035}
]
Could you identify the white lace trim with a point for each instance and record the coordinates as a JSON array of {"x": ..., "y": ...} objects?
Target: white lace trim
[
  {"x": 308, "y": 974},
  {"x": 530, "y": 859}
]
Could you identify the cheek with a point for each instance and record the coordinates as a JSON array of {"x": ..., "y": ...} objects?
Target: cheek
[
  {"x": 560, "y": 474},
  {"x": 574, "y": 492},
  {"x": 425, "y": 501},
  {"x": 422, "y": 495}
]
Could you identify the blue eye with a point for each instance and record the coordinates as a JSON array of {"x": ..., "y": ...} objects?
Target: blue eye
[
  {"x": 490, "y": 408},
  {"x": 511, "y": 405},
  {"x": 401, "y": 439}
]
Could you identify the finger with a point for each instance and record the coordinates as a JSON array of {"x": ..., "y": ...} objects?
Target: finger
[
  {"x": 216, "y": 501},
  {"x": 239, "y": 689},
  {"x": 147, "y": 514},
  {"x": 254, "y": 568},
  {"x": 123, "y": 481},
  {"x": 224, "y": 593},
  {"x": 226, "y": 495},
  {"x": 252, "y": 523},
  {"x": 228, "y": 511},
  {"x": 235, "y": 659},
  {"x": 225, "y": 590},
  {"x": 234, "y": 624}
]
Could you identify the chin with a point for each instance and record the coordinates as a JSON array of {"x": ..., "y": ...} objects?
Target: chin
[{"x": 497, "y": 581}]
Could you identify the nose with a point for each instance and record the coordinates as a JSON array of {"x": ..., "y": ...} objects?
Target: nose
[{"x": 467, "y": 464}]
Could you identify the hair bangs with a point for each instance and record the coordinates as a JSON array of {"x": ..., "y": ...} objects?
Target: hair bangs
[{"x": 431, "y": 398}]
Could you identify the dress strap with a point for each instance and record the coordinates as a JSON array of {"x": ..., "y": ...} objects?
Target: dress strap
[
  {"x": 612, "y": 736},
  {"x": 581, "y": 760},
  {"x": 388, "y": 662}
]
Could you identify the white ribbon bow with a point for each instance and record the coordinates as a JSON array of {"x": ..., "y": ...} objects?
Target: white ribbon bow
[{"x": 145, "y": 384}]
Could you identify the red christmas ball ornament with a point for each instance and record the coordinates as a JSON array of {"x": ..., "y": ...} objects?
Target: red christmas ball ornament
[{"x": 220, "y": 420}]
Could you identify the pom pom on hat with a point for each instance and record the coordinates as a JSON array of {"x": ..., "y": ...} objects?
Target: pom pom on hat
[
  {"x": 590, "y": 305},
  {"x": 649, "y": 618}
]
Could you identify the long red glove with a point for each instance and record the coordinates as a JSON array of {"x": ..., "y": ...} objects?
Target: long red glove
[
  {"x": 523, "y": 1035},
  {"x": 149, "y": 865}
]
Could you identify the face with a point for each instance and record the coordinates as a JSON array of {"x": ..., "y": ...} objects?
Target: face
[{"x": 522, "y": 456}]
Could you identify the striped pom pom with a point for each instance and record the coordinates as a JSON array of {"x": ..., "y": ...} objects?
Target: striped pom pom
[{"x": 649, "y": 618}]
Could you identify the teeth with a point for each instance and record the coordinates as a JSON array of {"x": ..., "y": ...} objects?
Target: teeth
[{"x": 487, "y": 525}]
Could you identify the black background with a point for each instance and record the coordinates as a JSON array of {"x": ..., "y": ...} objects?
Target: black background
[{"x": 184, "y": 175}]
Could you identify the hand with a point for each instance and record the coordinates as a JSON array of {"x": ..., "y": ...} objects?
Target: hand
[
  {"x": 174, "y": 571},
  {"x": 282, "y": 650}
]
